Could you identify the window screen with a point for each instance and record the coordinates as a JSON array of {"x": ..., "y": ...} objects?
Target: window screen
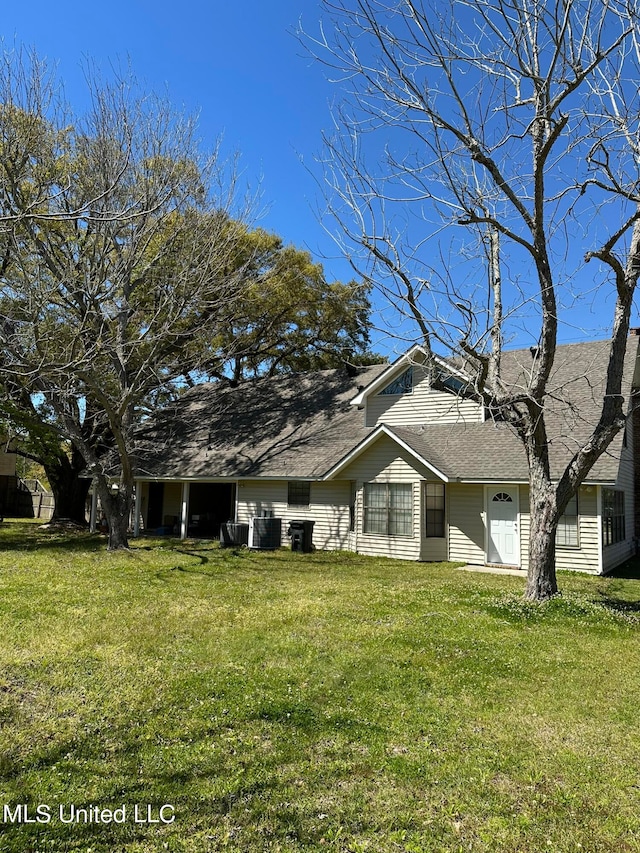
[
  {"x": 434, "y": 510},
  {"x": 299, "y": 493},
  {"x": 388, "y": 509}
]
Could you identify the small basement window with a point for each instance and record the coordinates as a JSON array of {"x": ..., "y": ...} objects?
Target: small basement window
[{"x": 299, "y": 493}]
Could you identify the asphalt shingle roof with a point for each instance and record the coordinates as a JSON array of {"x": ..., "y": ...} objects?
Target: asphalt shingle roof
[
  {"x": 473, "y": 451},
  {"x": 302, "y": 425},
  {"x": 491, "y": 451},
  {"x": 285, "y": 426}
]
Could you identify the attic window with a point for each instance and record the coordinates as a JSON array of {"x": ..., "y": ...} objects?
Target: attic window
[
  {"x": 451, "y": 383},
  {"x": 402, "y": 384}
]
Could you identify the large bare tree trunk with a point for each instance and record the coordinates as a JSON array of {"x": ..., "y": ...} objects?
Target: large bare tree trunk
[
  {"x": 116, "y": 505},
  {"x": 514, "y": 121},
  {"x": 541, "y": 577},
  {"x": 69, "y": 489},
  {"x": 118, "y": 532}
]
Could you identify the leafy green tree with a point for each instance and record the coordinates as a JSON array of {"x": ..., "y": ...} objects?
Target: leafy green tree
[
  {"x": 127, "y": 266},
  {"x": 91, "y": 210},
  {"x": 291, "y": 318},
  {"x": 42, "y": 445}
]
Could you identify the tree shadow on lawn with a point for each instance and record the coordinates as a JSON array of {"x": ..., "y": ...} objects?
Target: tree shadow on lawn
[
  {"x": 25, "y": 536},
  {"x": 234, "y": 559},
  {"x": 620, "y": 607},
  {"x": 140, "y": 797},
  {"x": 630, "y": 569},
  {"x": 131, "y": 779}
]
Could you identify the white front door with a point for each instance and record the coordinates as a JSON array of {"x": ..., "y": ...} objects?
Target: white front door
[{"x": 502, "y": 514}]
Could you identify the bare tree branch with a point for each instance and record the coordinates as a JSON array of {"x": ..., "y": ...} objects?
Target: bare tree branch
[{"x": 508, "y": 128}]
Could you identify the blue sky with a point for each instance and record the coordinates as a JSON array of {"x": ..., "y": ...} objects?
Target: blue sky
[
  {"x": 240, "y": 66},
  {"x": 237, "y": 64}
]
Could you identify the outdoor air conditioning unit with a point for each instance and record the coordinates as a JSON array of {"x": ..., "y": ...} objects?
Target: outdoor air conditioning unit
[
  {"x": 233, "y": 534},
  {"x": 265, "y": 533}
]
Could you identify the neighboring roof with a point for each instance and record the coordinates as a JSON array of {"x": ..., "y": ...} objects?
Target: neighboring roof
[
  {"x": 303, "y": 426},
  {"x": 293, "y": 425}
]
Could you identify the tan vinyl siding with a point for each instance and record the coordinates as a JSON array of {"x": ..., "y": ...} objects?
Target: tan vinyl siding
[
  {"x": 385, "y": 462},
  {"x": 585, "y": 558},
  {"x": 328, "y": 508},
  {"x": 434, "y": 550},
  {"x": 524, "y": 526},
  {"x": 465, "y": 512},
  {"x": 423, "y": 405},
  {"x": 257, "y": 497}
]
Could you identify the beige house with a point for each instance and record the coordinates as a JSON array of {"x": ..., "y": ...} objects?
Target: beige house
[{"x": 391, "y": 460}]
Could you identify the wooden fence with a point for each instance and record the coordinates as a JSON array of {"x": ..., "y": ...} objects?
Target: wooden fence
[{"x": 42, "y": 500}]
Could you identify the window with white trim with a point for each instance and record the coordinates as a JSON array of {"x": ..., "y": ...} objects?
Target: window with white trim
[
  {"x": 388, "y": 509},
  {"x": 449, "y": 382},
  {"x": 613, "y": 519},
  {"x": 567, "y": 533},
  {"x": 434, "y": 510}
]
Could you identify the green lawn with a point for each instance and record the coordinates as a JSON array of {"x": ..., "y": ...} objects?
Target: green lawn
[{"x": 323, "y": 702}]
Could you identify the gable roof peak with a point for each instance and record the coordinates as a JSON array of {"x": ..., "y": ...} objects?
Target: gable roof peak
[{"x": 417, "y": 354}]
